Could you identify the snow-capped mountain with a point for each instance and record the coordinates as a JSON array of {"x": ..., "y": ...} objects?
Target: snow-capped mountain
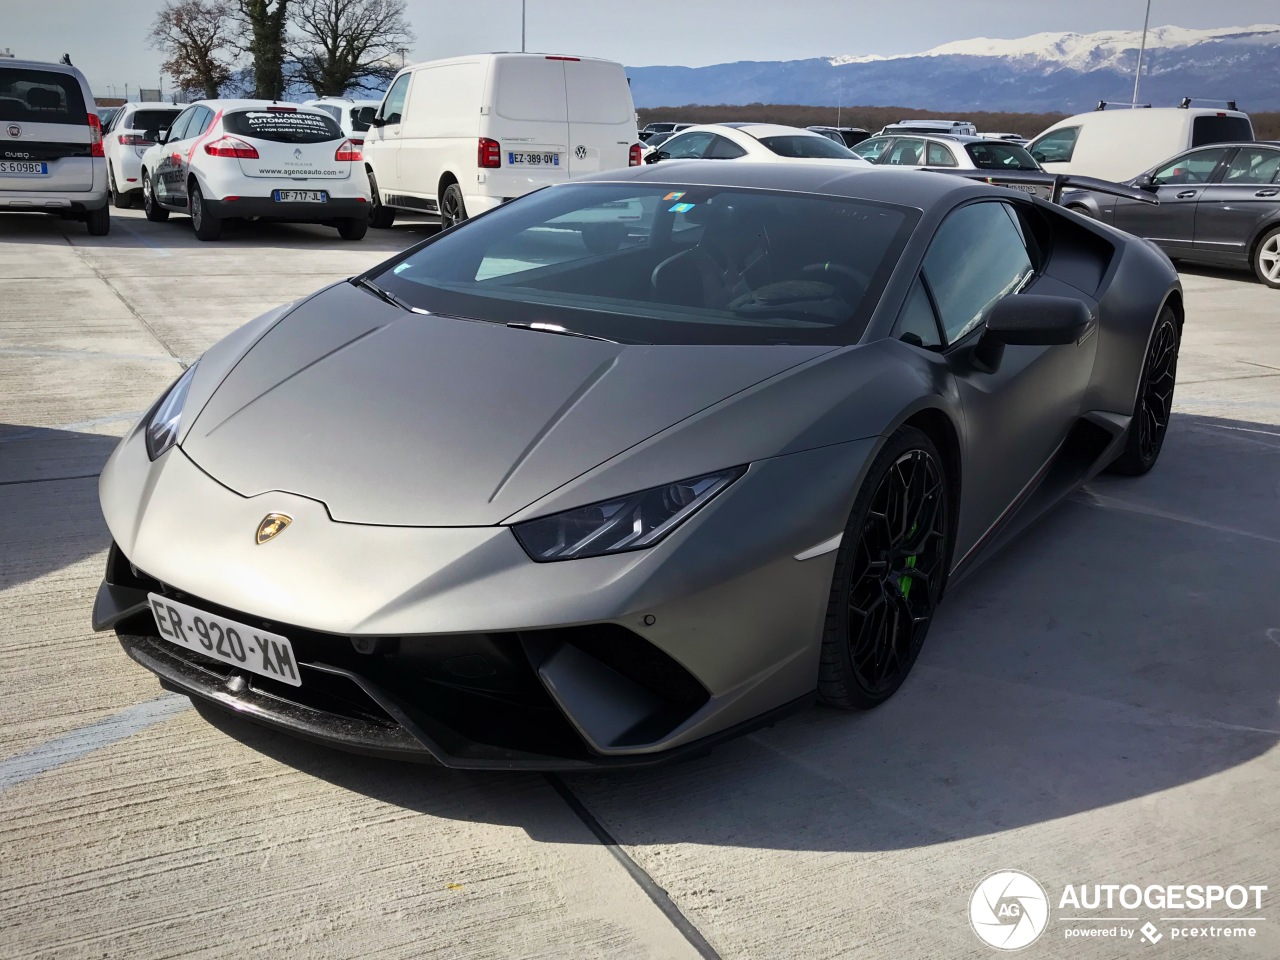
[{"x": 1046, "y": 71}]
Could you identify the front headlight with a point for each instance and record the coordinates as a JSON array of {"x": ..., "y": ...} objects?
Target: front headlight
[
  {"x": 633, "y": 522},
  {"x": 163, "y": 425}
]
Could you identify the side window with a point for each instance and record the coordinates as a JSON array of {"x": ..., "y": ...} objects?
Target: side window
[
  {"x": 918, "y": 319},
  {"x": 393, "y": 104},
  {"x": 687, "y": 146},
  {"x": 178, "y": 130},
  {"x": 939, "y": 156},
  {"x": 1253, "y": 165},
  {"x": 872, "y": 148},
  {"x": 977, "y": 257},
  {"x": 722, "y": 148},
  {"x": 1194, "y": 167},
  {"x": 200, "y": 122},
  {"x": 1056, "y": 146},
  {"x": 906, "y": 152}
]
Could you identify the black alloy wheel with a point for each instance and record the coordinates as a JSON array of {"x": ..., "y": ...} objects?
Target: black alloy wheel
[
  {"x": 890, "y": 574},
  {"x": 452, "y": 208},
  {"x": 1154, "y": 406}
]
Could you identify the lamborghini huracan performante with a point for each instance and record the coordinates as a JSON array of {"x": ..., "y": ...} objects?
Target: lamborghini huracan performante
[{"x": 633, "y": 463}]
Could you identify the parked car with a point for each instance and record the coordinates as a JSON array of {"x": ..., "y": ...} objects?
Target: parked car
[
  {"x": 1011, "y": 137},
  {"x": 962, "y": 128},
  {"x": 849, "y": 136},
  {"x": 504, "y": 501},
  {"x": 348, "y": 114},
  {"x": 1218, "y": 205},
  {"x": 1116, "y": 144},
  {"x": 226, "y": 159},
  {"x": 459, "y": 137},
  {"x": 756, "y": 142},
  {"x": 965, "y": 153},
  {"x": 106, "y": 116},
  {"x": 135, "y": 128},
  {"x": 661, "y": 126},
  {"x": 51, "y": 153}
]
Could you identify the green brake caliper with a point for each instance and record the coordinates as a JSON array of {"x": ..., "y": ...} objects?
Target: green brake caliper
[{"x": 904, "y": 583}]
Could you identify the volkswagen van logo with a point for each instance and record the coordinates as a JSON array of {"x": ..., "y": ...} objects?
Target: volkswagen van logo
[
  {"x": 272, "y": 526},
  {"x": 15, "y": 130},
  {"x": 580, "y": 152}
]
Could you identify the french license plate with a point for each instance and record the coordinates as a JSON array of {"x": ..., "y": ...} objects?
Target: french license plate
[
  {"x": 237, "y": 644},
  {"x": 1034, "y": 189},
  {"x": 23, "y": 168},
  {"x": 533, "y": 159},
  {"x": 300, "y": 196}
]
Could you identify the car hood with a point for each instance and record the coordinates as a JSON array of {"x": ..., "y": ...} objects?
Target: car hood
[{"x": 391, "y": 417}]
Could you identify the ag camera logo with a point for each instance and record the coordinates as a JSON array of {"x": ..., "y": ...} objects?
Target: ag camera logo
[{"x": 1009, "y": 910}]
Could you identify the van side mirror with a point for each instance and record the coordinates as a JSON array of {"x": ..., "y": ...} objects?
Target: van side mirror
[
  {"x": 656, "y": 156},
  {"x": 1032, "y": 320},
  {"x": 1038, "y": 156},
  {"x": 368, "y": 116}
]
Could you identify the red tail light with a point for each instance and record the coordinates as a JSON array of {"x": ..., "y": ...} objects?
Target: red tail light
[
  {"x": 348, "y": 150},
  {"x": 134, "y": 140},
  {"x": 95, "y": 136},
  {"x": 634, "y": 155},
  {"x": 231, "y": 147},
  {"x": 489, "y": 155}
]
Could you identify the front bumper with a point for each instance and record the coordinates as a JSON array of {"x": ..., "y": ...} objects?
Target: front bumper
[{"x": 336, "y": 208}]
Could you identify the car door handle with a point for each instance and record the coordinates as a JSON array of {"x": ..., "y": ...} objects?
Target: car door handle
[
  {"x": 1187, "y": 194},
  {"x": 1267, "y": 193}
]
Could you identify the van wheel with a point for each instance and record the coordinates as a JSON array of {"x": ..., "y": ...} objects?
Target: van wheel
[
  {"x": 121, "y": 201},
  {"x": 380, "y": 216},
  {"x": 353, "y": 229},
  {"x": 99, "y": 221},
  {"x": 155, "y": 213},
  {"x": 205, "y": 224},
  {"x": 452, "y": 209}
]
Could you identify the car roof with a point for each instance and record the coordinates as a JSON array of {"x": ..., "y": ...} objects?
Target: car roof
[
  {"x": 841, "y": 178},
  {"x": 758, "y": 130},
  {"x": 227, "y": 106},
  {"x": 66, "y": 68}
]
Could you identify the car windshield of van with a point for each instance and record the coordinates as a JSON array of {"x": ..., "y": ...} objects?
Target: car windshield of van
[
  {"x": 664, "y": 264},
  {"x": 815, "y": 147},
  {"x": 40, "y": 96},
  {"x": 1000, "y": 156},
  {"x": 283, "y": 126}
]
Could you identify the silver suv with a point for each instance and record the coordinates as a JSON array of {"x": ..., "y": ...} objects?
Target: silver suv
[{"x": 51, "y": 156}]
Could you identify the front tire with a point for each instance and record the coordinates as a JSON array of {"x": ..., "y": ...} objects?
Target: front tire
[
  {"x": 99, "y": 221},
  {"x": 380, "y": 217},
  {"x": 155, "y": 213},
  {"x": 353, "y": 229},
  {"x": 1150, "y": 422},
  {"x": 453, "y": 210},
  {"x": 206, "y": 225},
  {"x": 1266, "y": 259},
  {"x": 890, "y": 574}
]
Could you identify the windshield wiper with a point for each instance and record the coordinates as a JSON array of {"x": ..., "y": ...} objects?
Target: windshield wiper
[
  {"x": 556, "y": 328},
  {"x": 387, "y": 296}
]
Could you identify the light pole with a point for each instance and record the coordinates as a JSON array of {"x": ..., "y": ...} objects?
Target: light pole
[
  {"x": 1137, "y": 76},
  {"x": 522, "y": 12}
]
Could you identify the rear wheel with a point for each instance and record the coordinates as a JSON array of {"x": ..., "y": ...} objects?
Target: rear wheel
[
  {"x": 380, "y": 216},
  {"x": 121, "y": 201},
  {"x": 206, "y": 225},
  {"x": 452, "y": 208},
  {"x": 1266, "y": 259},
  {"x": 1150, "y": 421},
  {"x": 353, "y": 229},
  {"x": 1082, "y": 210},
  {"x": 890, "y": 573},
  {"x": 155, "y": 213},
  {"x": 99, "y": 221}
]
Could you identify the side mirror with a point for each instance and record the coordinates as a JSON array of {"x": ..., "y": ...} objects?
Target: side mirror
[
  {"x": 368, "y": 116},
  {"x": 654, "y": 157},
  {"x": 1038, "y": 156},
  {"x": 153, "y": 135},
  {"x": 1032, "y": 320},
  {"x": 1147, "y": 182}
]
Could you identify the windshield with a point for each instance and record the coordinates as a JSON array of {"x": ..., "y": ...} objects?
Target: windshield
[
  {"x": 1000, "y": 156},
  {"x": 815, "y": 147},
  {"x": 665, "y": 264}
]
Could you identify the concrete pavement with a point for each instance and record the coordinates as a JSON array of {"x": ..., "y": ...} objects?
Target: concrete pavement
[{"x": 1097, "y": 705}]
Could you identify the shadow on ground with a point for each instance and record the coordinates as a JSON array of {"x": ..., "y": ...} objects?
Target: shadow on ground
[{"x": 1127, "y": 644}]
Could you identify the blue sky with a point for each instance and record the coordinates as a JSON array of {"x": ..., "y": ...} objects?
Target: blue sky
[{"x": 112, "y": 49}]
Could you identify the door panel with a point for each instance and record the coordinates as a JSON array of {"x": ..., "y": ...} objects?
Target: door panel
[
  {"x": 1180, "y": 183},
  {"x": 1230, "y": 210}
]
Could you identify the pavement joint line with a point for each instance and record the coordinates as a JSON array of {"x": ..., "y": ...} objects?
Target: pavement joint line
[
  {"x": 128, "y": 416},
  {"x": 1092, "y": 499},
  {"x": 1246, "y": 376},
  {"x": 128, "y": 306},
  {"x": 72, "y": 746},
  {"x": 89, "y": 354},
  {"x": 78, "y": 476},
  {"x": 657, "y": 894}
]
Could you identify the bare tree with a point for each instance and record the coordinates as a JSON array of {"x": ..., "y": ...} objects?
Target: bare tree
[
  {"x": 196, "y": 37},
  {"x": 344, "y": 44},
  {"x": 265, "y": 22}
]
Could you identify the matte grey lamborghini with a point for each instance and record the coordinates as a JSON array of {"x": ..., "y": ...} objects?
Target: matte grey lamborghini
[{"x": 633, "y": 463}]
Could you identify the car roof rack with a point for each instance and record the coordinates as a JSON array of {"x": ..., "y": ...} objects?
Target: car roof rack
[
  {"x": 1186, "y": 102},
  {"x": 1103, "y": 104}
]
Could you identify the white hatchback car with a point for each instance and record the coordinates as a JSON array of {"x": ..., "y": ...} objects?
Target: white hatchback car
[
  {"x": 225, "y": 159},
  {"x": 135, "y": 127},
  {"x": 347, "y": 112},
  {"x": 755, "y": 142}
]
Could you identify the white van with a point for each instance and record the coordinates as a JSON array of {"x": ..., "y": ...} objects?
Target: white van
[
  {"x": 458, "y": 137},
  {"x": 1120, "y": 144}
]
